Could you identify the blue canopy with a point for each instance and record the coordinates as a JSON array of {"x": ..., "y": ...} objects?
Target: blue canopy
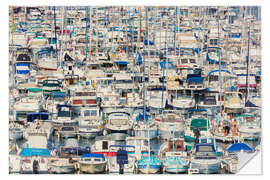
[
  {"x": 217, "y": 70},
  {"x": 197, "y": 110},
  {"x": 195, "y": 79},
  {"x": 163, "y": 65},
  {"x": 122, "y": 62},
  {"x": 93, "y": 155},
  {"x": 238, "y": 147},
  {"x": 63, "y": 105},
  {"x": 56, "y": 94},
  {"x": 122, "y": 146},
  {"x": 35, "y": 152},
  {"x": 250, "y": 104}
]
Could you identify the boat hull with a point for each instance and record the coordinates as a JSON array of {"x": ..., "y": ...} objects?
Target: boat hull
[
  {"x": 206, "y": 166},
  {"x": 92, "y": 168}
]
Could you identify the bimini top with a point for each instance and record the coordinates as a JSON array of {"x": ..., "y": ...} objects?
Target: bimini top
[
  {"x": 163, "y": 65},
  {"x": 122, "y": 62},
  {"x": 237, "y": 147},
  {"x": 35, "y": 152},
  {"x": 93, "y": 155},
  {"x": 217, "y": 70}
]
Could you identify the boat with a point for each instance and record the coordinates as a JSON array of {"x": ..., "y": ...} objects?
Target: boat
[
  {"x": 123, "y": 161},
  {"x": 64, "y": 116},
  {"x": 170, "y": 125},
  {"x": 149, "y": 165},
  {"x": 71, "y": 149},
  {"x": 174, "y": 155},
  {"x": 61, "y": 166},
  {"x": 34, "y": 157},
  {"x": 90, "y": 124},
  {"x": 205, "y": 159},
  {"x": 92, "y": 163},
  {"x": 119, "y": 122},
  {"x": 249, "y": 126}
]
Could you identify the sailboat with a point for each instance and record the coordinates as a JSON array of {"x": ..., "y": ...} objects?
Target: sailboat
[{"x": 148, "y": 164}]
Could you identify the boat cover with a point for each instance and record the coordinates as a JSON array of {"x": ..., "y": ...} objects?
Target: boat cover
[{"x": 237, "y": 147}]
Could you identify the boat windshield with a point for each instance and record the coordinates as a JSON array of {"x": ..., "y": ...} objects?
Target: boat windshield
[
  {"x": 64, "y": 114},
  {"x": 90, "y": 113}
]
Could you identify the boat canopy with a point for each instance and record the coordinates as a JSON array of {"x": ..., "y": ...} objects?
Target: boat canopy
[
  {"x": 122, "y": 62},
  {"x": 195, "y": 79},
  {"x": 35, "y": 152},
  {"x": 237, "y": 147},
  {"x": 163, "y": 65},
  {"x": 93, "y": 155},
  {"x": 56, "y": 94},
  {"x": 198, "y": 123},
  {"x": 196, "y": 110},
  {"x": 250, "y": 104},
  {"x": 34, "y": 89},
  {"x": 217, "y": 70},
  {"x": 122, "y": 146}
]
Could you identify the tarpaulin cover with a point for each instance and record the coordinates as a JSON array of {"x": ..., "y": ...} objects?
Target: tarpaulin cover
[
  {"x": 35, "y": 152},
  {"x": 93, "y": 155},
  {"x": 238, "y": 147}
]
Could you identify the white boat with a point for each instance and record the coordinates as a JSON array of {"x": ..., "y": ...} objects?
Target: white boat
[
  {"x": 234, "y": 102},
  {"x": 249, "y": 127},
  {"x": 170, "y": 125},
  {"x": 119, "y": 122},
  {"x": 90, "y": 124},
  {"x": 92, "y": 163},
  {"x": 205, "y": 159},
  {"x": 64, "y": 116},
  {"x": 61, "y": 166},
  {"x": 35, "y": 154}
]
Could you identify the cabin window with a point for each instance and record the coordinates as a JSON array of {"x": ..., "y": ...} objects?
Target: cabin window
[
  {"x": 184, "y": 61},
  {"x": 192, "y": 61},
  {"x": 104, "y": 144},
  {"x": 69, "y": 68}
]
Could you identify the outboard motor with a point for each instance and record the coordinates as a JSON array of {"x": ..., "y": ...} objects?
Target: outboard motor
[
  {"x": 122, "y": 158},
  {"x": 35, "y": 167}
]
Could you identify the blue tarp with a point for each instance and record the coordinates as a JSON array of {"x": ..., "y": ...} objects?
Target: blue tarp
[
  {"x": 140, "y": 59},
  {"x": 56, "y": 94},
  {"x": 163, "y": 65},
  {"x": 93, "y": 155},
  {"x": 196, "y": 110},
  {"x": 35, "y": 152},
  {"x": 238, "y": 147},
  {"x": 122, "y": 62},
  {"x": 235, "y": 35},
  {"x": 122, "y": 146},
  {"x": 195, "y": 79},
  {"x": 250, "y": 104}
]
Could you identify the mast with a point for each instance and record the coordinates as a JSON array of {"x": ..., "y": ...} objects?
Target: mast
[
  {"x": 247, "y": 59},
  {"x": 86, "y": 30}
]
